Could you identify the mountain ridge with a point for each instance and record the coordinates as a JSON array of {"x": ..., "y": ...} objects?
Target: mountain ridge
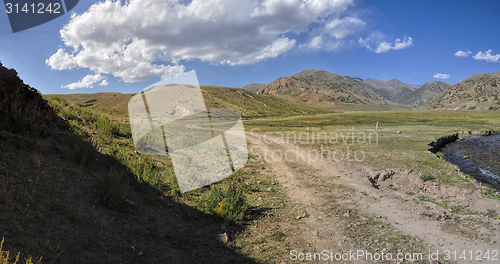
[
  {"x": 477, "y": 92},
  {"x": 393, "y": 89},
  {"x": 425, "y": 93},
  {"x": 325, "y": 89}
]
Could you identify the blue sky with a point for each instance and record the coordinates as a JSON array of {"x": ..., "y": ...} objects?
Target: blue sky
[{"x": 127, "y": 46}]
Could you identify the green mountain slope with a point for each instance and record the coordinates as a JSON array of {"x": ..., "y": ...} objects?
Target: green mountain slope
[
  {"x": 325, "y": 90},
  {"x": 478, "y": 92},
  {"x": 247, "y": 103},
  {"x": 394, "y": 89},
  {"x": 425, "y": 93}
]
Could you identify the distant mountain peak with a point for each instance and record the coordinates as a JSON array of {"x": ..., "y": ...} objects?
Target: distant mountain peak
[
  {"x": 253, "y": 87},
  {"x": 393, "y": 89}
]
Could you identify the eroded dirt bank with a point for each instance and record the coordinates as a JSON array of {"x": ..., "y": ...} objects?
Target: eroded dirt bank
[{"x": 349, "y": 207}]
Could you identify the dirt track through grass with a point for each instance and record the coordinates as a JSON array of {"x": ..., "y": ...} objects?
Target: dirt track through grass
[{"x": 343, "y": 211}]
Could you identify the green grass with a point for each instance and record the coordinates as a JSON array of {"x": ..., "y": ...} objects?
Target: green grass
[
  {"x": 153, "y": 174},
  {"x": 113, "y": 189},
  {"x": 387, "y": 149},
  {"x": 427, "y": 177},
  {"x": 229, "y": 204}
]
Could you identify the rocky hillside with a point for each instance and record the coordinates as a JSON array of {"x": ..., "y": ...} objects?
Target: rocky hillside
[
  {"x": 478, "y": 92},
  {"x": 22, "y": 108},
  {"x": 394, "y": 89},
  {"x": 253, "y": 87},
  {"x": 425, "y": 93},
  {"x": 324, "y": 89}
]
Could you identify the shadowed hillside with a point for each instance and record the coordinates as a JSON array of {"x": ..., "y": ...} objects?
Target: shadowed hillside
[{"x": 73, "y": 190}]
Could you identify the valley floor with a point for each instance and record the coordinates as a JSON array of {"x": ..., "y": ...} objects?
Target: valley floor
[{"x": 347, "y": 207}]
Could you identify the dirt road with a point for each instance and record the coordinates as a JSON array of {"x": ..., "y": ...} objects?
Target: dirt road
[{"x": 312, "y": 181}]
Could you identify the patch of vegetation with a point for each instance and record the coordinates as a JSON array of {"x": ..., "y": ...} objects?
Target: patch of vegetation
[
  {"x": 113, "y": 189},
  {"x": 440, "y": 155},
  {"x": 278, "y": 236},
  {"x": 230, "y": 204},
  {"x": 490, "y": 194},
  {"x": 79, "y": 151},
  {"x": 427, "y": 177}
]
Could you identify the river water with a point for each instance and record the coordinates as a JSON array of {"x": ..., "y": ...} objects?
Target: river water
[{"x": 477, "y": 156}]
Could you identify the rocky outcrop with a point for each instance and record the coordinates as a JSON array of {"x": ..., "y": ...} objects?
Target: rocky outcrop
[
  {"x": 22, "y": 108},
  {"x": 442, "y": 141}
]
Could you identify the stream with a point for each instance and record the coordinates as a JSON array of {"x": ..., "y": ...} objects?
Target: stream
[{"x": 477, "y": 156}]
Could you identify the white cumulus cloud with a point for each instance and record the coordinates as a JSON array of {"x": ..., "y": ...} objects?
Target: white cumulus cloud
[
  {"x": 462, "y": 53},
  {"x": 441, "y": 76},
  {"x": 487, "y": 56},
  {"x": 139, "y": 39},
  {"x": 87, "y": 82},
  {"x": 104, "y": 83},
  {"x": 384, "y": 46},
  {"x": 61, "y": 60}
]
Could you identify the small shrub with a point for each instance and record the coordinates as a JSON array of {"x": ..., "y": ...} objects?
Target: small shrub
[
  {"x": 278, "y": 236},
  {"x": 423, "y": 198},
  {"x": 113, "y": 189},
  {"x": 440, "y": 155},
  {"x": 68, "y": 114},
  {"x": 491, "y": 213},
  {"x": 427, "y": 177},
  {"x": 410, "y": 193},
  {"x": 79, "y": 151},
  {"x": 230, "y": 204}
]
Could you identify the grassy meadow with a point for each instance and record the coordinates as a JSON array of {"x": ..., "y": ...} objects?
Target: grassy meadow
[
  {"x": 401, "y": 140},
  {"x": 253, "y": 210}
]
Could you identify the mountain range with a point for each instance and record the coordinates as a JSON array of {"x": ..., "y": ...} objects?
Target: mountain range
[
  {"x": 327, "y": 90},
  {"x": 393, "y": 89}
]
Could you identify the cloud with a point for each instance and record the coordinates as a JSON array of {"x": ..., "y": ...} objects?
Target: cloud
[
  {"x": 104, "y": 83},
  {"x": 441, "y": 76},
  {"x": 139, "y": 39},
  {"x": 341, "y": 28},
  {"x": 87, "y": 82},
  {"x": 462, "y": 53},
  {"x": 61, "y": 60},
  {"x": 383, "y": 46},
  {"x": 487, "y": 56},
  {"x": 331, "y": 35}
]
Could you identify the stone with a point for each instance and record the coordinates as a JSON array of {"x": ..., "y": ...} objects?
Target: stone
[
  {"x": 463, "y": 203},
  {"x": 35, "y": 161},
  {"x": 223, "y": 237}
]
